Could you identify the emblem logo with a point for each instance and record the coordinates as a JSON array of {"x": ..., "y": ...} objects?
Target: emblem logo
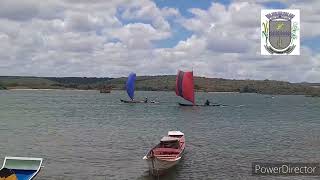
[{"x": 280, "y": 32}]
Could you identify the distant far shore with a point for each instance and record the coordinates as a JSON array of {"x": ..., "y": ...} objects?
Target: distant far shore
[
  {"x": 27, "y": 89},
  {"x": 160, "y": 83}
]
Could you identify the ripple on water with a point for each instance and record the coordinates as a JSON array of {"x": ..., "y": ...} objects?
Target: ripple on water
[{"x": 87, "y": 135}]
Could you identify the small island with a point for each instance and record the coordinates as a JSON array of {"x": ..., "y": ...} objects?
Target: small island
[{"x": 105, "y": 89}]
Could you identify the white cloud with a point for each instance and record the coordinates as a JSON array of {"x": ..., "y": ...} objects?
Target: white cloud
[
  {"x": 169, "y": 12},
  {"x": 226, "y": 29},
  {"x": 113, "y": 38},
  {"x": 18, "y": 10},
  {"x": 309, "y": 14},
  {"x": 146, "y": 10},
  {"x": 137, "y": 35},
  {"x": 232, "y": 37},
  {"x": 309, "y": 17}
]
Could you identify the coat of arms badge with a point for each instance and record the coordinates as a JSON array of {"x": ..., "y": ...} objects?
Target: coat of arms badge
[{"x": 280, "y": 32}]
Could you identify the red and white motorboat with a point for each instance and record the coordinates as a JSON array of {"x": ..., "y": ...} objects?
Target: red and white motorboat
[{"x": 167, "y": 153}]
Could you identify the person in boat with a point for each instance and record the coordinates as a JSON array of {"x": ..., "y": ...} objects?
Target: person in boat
[
  {"x": 7, "y": 174},
  {"x": 146, "y": 100},
  {"x": 207, "y": 103}
]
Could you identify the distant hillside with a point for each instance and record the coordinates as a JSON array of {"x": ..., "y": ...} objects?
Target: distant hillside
[
  {"x": 26, "y": 82},
  {"x": 311, "y": 84},
  {"x": 79, "y": 82},
  {"x": 167, "y": 83},
  {"x": 163, "y": 83},
  {"x": 20, "y": 82}
]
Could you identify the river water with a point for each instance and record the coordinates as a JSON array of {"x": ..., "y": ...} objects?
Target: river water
[{"x": 88, "y": 135}]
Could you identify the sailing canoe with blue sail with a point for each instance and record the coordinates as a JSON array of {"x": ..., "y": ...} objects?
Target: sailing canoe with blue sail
[{"x": 130, "y": 87}]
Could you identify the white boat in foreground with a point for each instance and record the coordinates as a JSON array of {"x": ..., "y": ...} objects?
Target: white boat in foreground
[
  {"x": 167, "y": 153},
  {"x": 20, "y": 168}
]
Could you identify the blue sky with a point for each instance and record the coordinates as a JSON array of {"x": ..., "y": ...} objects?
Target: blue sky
[
  {"x": 313, "y": 43},
  {"x": 184, "y": 5},
  {"x": 275, "y": 5}
]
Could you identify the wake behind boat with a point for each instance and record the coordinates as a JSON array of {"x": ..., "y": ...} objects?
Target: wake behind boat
[
  {"x": 154, "y": 102},
  {"x": 167, "y": 153}
]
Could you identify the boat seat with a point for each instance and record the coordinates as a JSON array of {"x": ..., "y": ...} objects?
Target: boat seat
[
  {"x": 166, "y": 158},
  {"x": 166, "y": 155},
  {"x": 166, "y": 151}
]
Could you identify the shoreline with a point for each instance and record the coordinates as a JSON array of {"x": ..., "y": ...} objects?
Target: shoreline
[
  {"x": 211, "y": 92},
  {"x": 26, "y": 89},
  {"x": 163, "y": 83},
  {"x": 30, "y": 89}
]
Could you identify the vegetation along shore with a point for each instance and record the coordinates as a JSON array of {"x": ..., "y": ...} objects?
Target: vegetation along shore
[{"x": 162, "y": 83}]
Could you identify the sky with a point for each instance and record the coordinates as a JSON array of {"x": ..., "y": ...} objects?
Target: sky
[{"x": 100, "y": 38}]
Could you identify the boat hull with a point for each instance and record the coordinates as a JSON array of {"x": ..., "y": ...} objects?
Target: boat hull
[
  {"x": 166, "y": 154},
  {"x": 125, "y": 101},
  {"x": 22, "y": 168},
  {"x": 159, "y": 167},
  {"x": 181, "y": 104}
]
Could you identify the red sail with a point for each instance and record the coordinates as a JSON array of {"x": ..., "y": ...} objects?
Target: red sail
[{"x": 185, "y": 86}]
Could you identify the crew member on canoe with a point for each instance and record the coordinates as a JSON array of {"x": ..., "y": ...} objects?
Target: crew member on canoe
[
  {"x": 207, "y": 103},
  {"x": 146, "y": 100}
]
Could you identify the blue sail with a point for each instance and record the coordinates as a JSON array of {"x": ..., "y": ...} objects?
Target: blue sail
[{"x": 130, "y": 85}]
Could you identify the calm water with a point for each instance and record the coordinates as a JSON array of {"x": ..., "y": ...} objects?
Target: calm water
[{"x": 87, "y": 135}]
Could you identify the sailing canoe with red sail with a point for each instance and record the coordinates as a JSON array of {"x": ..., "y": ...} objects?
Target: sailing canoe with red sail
[
  {"x": 185, "y": 86},
  {"x": 185, "y": 89}
]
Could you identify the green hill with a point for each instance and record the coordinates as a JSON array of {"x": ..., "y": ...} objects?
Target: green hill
[
  {"x": 162, "y": 83},
  {"x": 26, "y": 82}
]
